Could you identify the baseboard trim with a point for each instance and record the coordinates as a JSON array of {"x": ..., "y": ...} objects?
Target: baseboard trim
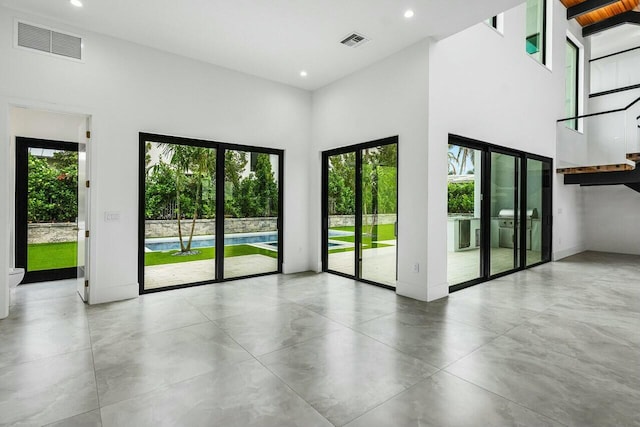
[
  {"x": 99, "y": 295},
  {"x": 437, "y": 292},
  {"x": 558, "y": 255}
]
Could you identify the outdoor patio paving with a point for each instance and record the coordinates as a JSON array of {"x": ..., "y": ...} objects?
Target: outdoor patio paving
[
  {"x": 161, "y": 276},
  {"x": 378, "y": 264}
]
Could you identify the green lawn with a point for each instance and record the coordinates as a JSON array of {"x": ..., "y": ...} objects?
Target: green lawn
[
  {"x": 385, "y": 232},
  {"x": 158, "y": 258},
  {"x": 50, "y": 256}
]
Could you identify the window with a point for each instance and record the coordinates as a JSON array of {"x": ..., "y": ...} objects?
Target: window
[
  {"x": 360, "y": 211},
  {"x": 204, "y": 217},
  {"x": 496, "y": 22},
  {"x": 499, "y": 206},
  {"x": 572, "y": 75},
  {"x": 536, "y": 30},
  {"x": 492, "y": 22}
]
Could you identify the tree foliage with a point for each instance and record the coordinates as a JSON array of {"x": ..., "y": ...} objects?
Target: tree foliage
[
  {"x": 379, "y": 181},
  {"x": 53, "y": 188},
  {"x": 184, "y": 187},
  {"x": 461, "y": 197}
]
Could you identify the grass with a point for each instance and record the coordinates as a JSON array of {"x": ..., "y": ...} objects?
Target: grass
[
  {"x": 385, "y": 232},
  {"x": 51, "y": 256},
  {"x": 160, "y": 258}
]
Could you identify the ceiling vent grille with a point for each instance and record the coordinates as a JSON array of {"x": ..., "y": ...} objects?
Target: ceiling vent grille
[
  {"x": 49, "y": 41},
  {"x": 354, "y": 40}
]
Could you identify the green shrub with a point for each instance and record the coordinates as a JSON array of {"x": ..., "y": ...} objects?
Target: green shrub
[{"x": 461, "y": 197}]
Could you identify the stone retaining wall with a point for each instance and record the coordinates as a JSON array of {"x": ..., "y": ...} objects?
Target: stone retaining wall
[
  {"x": 163, "y": 228},
  {"x": 350, "y": 220},
  {"x": 52, "y": 233},
  {"x": 66, "y": 232}
]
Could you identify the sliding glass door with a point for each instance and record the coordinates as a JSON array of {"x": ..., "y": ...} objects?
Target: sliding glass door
[
  {"x": 208, "y": 212},
  {"x": 505, "y": 209},
  {"x": 251, "y": 208},
  {"x": 360, "y": 201},
  {"x": 499, "y": 211},
  {"x": 341, "y": 204},
  {"x": 378, "y": 236},
  {"x": 464, "y": 214},
  {"x": 538, "y": 234}
]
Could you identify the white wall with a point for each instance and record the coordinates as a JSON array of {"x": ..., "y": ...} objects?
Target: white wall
[
  {"x": 387, "y": 99},
  {"x": 129, "y": 89},
  {"x": 612, "y": 214},
  {"x": 481, "y": 85},
  {"x": 484, "y": 86}
]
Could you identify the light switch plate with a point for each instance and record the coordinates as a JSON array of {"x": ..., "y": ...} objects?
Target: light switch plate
[{"x": 112, "y": 216}]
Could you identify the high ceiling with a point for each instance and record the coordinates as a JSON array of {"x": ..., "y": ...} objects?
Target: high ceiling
[
  {"x": 274, "y": 39},
  {"x": 602, "y": 13}
]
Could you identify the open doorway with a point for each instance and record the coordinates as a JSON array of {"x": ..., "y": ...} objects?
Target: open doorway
[{"x": 51, "y": 196}]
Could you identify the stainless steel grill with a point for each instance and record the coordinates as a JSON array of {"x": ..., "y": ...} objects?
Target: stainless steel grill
[{"x": 506, "y": 227}]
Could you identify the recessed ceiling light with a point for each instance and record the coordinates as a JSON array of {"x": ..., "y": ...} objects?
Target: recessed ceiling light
[
  {"x": 409, "y": 14},
  {"x": 76, "y": 3},
  {"x": 303, "y": 73}
]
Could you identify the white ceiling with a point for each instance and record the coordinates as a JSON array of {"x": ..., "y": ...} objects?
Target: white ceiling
[{"x": 274, "y": 39}]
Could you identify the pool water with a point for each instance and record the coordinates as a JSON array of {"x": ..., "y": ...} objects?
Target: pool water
[{"x": 170, "y": 244}]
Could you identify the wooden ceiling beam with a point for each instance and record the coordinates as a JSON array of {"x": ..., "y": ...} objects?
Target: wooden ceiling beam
[
  {"x": 629, "y": 17},
  {"x": 586, "y": 7}
]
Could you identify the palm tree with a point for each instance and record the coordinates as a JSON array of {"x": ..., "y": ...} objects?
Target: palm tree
[
  {"x": 458, "y": 160},
  {"x": 200, "y": 163}
]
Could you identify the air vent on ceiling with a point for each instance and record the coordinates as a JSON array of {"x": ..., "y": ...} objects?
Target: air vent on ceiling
[
  {"x": 354, "y": 40},
  {"x": 48, "y": 41}
]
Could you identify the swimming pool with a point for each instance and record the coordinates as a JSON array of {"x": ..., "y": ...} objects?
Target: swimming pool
[
  {"x": 267, "y": 237},
  {"x": 173, "y": 243}
]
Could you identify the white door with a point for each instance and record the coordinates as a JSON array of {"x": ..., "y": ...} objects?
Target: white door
[{"x": 83, "y": 212}]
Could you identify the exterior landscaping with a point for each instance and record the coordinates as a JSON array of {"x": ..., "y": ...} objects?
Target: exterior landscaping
[{"x": 51, "y": 256}]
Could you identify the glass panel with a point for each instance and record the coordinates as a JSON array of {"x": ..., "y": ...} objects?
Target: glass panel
[
  {"x": 614, "y": 72},
  {"x": 52, "y": 209},
  {"x": 571, "y": 85},
  {"x": 251, "y": 213},
  {"x": 342, "y": 209},
  {"x": 505, "y": 176},
  {"x": 464, "y": 214},
  {"x": 535, "y": 43},
  {"x": 534, "y": 205},
  {"x": 379, "y": 214},
  {"x": 180, "y": 221}
]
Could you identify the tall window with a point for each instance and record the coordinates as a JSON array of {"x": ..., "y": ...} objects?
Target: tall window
[
  {"x": 572, "y": 83},
  {"x": 536, "y": 30}
]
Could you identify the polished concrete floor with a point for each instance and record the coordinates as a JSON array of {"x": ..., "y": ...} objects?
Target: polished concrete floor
[{"x": 555, "y": 345}]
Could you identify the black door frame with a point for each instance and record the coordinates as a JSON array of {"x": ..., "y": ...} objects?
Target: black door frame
[
  {"x": 520, "y": 194},
  {"x": 357, "y": 149},
  {"x": 21, "y": 208},
  {"x": 220, "y": 148}
]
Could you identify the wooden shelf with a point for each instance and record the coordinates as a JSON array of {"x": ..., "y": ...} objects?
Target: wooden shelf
[
  {"x": 634, "y": 157},
  {"x": 595, "y": 169}
]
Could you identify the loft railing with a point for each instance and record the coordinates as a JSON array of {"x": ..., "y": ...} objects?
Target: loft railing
[
  {"x": 606, "y": 139},
  {"x": 615, "y": 72}
]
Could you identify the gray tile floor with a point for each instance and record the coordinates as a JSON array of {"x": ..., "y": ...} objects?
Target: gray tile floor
[{"x": 555, "y": 345}]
